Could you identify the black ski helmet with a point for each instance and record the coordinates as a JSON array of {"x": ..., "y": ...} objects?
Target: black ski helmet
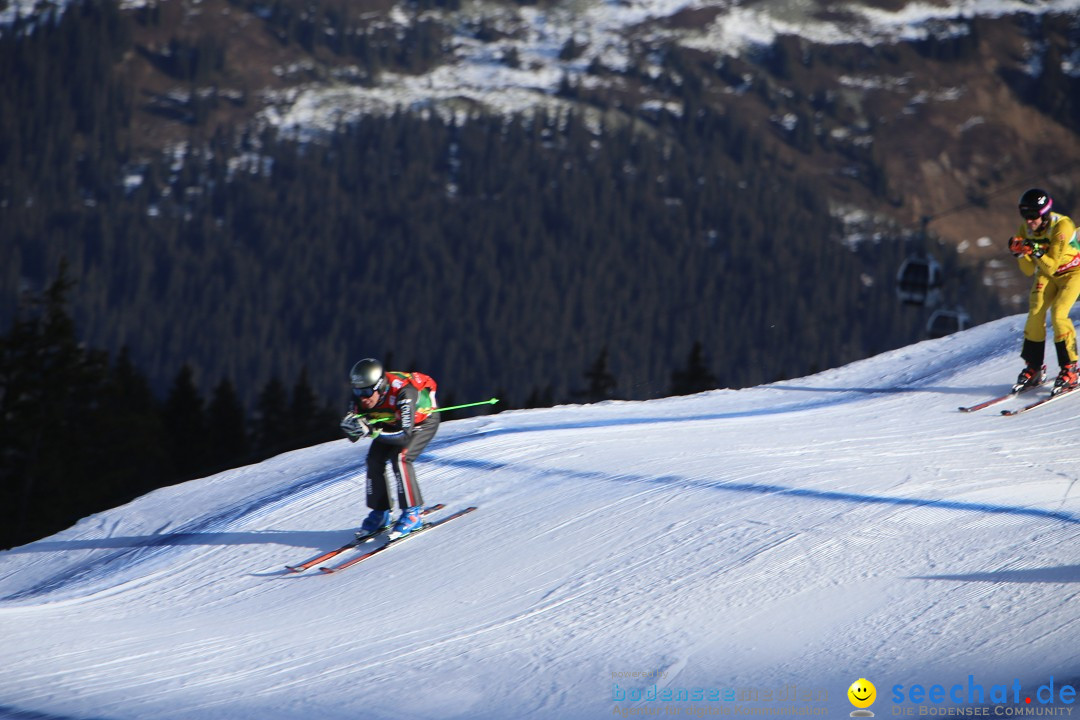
[
  {"x": 367, "y": 377},
  {"x": 1035, "y": 203}
]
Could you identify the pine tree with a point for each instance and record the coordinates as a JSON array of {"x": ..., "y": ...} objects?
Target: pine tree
[
  {"x": 272, "y": 420},
  {"x": 129, "y": 454},
  {"x": 540, "y": 398},
  {"x": 601, "y": 383},
  {"x": 50, "y": 387},
  {"x": 228, "y": 440},
  {"x": 185, "y": 422},
  {"x": 308, "y": 422},
  {"x": 695, "y": 377}
]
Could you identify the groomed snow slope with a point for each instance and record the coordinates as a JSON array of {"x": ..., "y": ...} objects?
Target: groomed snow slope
[{"x": 798, "y": 536}]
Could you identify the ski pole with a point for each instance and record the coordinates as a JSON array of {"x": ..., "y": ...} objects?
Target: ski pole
[
  {"x": 386, "y": 419},
  {"x": 492, "y": 401}
]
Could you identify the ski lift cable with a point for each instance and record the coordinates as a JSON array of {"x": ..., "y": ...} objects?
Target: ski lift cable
[{"x": 1027, "y": 182}]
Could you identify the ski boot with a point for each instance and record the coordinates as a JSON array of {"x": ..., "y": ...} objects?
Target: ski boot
[
  {"x": 408, "y": 522},
  {"x": 1067, "y": 379},
  {"x": 1030, "y": 377},
  {"x": 375, "y": 522}
]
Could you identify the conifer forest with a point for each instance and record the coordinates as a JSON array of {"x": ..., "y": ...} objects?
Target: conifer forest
[{"x": 171, "y": 315}]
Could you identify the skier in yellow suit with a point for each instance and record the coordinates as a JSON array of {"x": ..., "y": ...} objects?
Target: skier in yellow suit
[{"x": 1047, "y": 247}]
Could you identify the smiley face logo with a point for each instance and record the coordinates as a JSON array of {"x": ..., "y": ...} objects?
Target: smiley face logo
[{"x": 862, "y": 693}]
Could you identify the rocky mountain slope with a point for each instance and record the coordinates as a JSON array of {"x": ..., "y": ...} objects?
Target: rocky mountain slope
[{"x": 906, "y": 112}]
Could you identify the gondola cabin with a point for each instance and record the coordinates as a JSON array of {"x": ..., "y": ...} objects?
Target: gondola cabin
[
  {"x": 919, "y": 280},
  {"x": 945, "y": 322}
]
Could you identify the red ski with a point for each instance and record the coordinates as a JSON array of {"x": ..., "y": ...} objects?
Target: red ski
[
  {"x": 1040, "y": 402},
  {"x": 348, "y": 546},
  {"x": 1002, "y": 398},
  {"x": 394, "y": 541},
  {"x": 991, "y": 401}
]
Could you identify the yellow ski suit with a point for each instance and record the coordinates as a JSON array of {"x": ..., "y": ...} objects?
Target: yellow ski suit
[{"x": 1057, "y": 283}]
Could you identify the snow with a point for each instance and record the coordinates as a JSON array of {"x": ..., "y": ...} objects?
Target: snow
[
  {"x": 608, "y": 29},
  {"x": 478, "y": 78},
  {"x": 778, "y": 541},
  {"x": 12, "y": 9}
]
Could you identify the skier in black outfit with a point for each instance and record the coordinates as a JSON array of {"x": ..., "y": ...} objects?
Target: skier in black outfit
[{"x": 398, "y": 411}]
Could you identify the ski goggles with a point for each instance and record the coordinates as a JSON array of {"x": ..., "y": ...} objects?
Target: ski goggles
[
  {"x": 1030, "y": 212},
  {"x": 366, "y": 392}
]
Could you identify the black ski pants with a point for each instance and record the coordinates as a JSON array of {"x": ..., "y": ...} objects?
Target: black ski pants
[{"x": 401, "y": 459}]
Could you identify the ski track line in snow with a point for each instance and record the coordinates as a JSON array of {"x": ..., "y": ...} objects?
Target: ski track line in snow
[
  {"x": 11, "y": 713},
  {"x": 937, "y": 506},
  {"x": 588, "y": 585},
  {"x": 765, "y": 489},
  {"x": 152, "y": 547},
  {"x": 949, "y": 508},
  {"x": 941, "y": 509},
  {"x": 536, "y": 614},
  {"x": 304, "y": 488},
  {"x": 914, "y": 380},
  {"x": 571, "y": 592}
]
